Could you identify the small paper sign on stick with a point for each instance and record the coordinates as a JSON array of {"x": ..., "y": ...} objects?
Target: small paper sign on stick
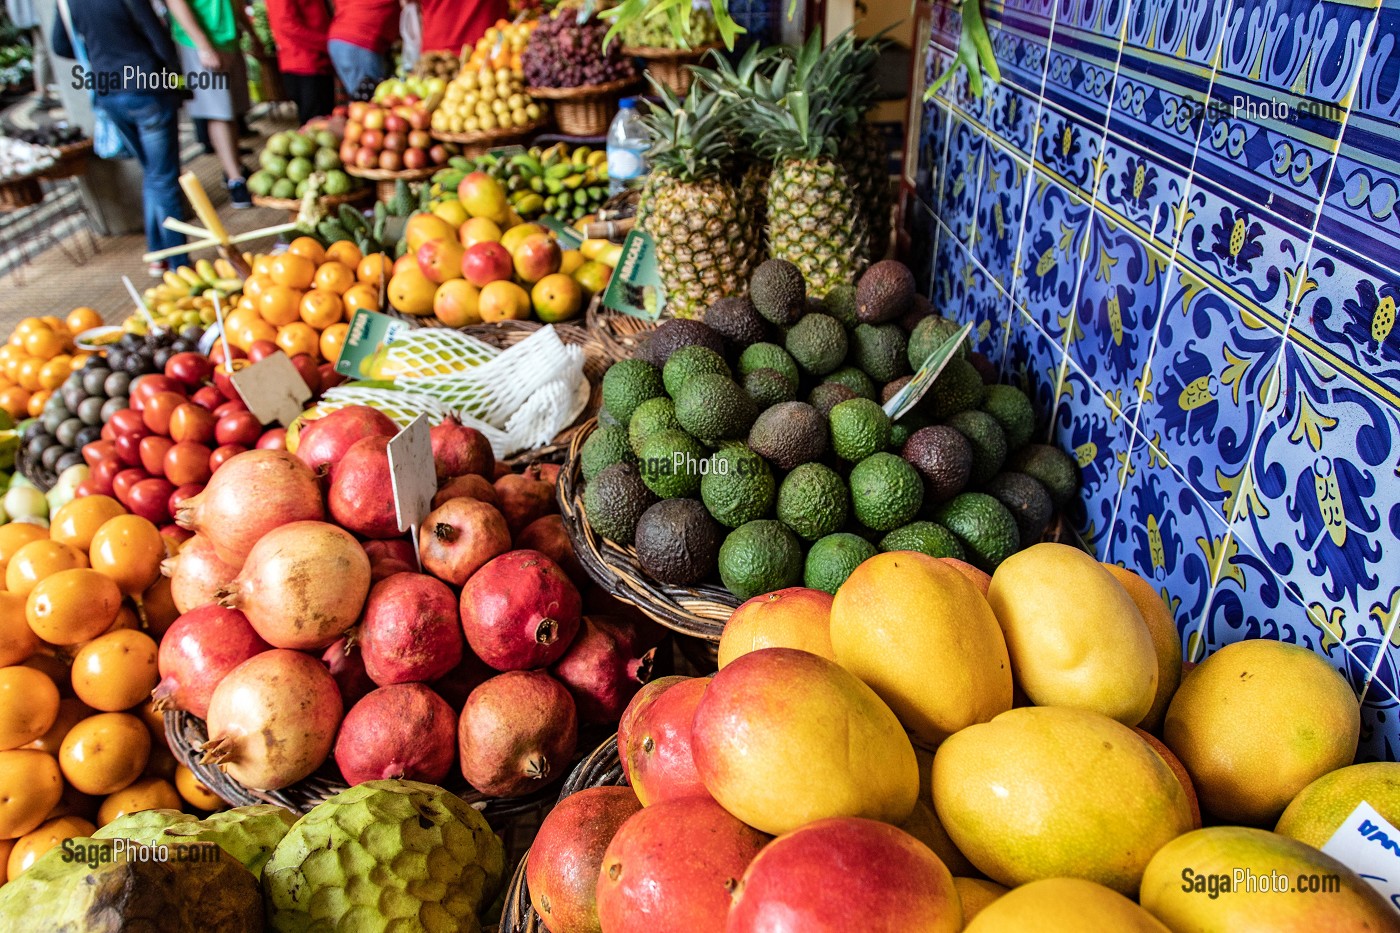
[
  {"x": 903, "y": 401},
  {"x": 272, "y": 389},
  {"x": 413, "y": 476},
  {"x": 1369, "y": 845}
]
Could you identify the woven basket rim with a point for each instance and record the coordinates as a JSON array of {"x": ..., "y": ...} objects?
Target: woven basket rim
[
  {"x": 326, "y": 200},
  {"x": 657, "y": 53},
  {"x": 379, "y": 174},
  {"x": 491, "y": 136},
  {"x": 584, "y": 92}
]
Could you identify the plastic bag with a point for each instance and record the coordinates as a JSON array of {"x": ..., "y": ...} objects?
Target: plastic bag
[{"x": 411, "y": 32}]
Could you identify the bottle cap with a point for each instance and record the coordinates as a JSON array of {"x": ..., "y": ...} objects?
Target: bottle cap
[{"x": 627, "y": 103}]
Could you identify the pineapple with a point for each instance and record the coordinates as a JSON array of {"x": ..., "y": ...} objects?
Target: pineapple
[
  {"x": 866, "y": 157},
  {"x": 690, "y": 207}
]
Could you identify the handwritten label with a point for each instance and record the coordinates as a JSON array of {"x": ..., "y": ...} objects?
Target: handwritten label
[
  {"x": 1368, "y": 845},
  {"x": 635, "y": 287},
  {"x": 413, "y": 476},
  {"x": 272, "y": 389},
  {"x": 906, "y": 398}
]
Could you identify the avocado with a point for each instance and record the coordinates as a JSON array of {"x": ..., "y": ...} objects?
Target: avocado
[
  {"x": 1027, "y": 501},
  {"x": 677, "y": 542},
  {"x": 1054, "y": 468},
  {"x": 928, "y": 538},
  {"x": 669, "y": 462},
  {"x": 832, "y": 559},
  {"x": 890, "y": 389},
  {"x": 930, "y": 334},
  {"x": 606, "y": 419},
  {"x": 1013, "y": 412},
  {"x": 673, "y": 334},
  {"x": 737, "y": 321},
  {"x": 652, "y": 416},
  {"x": 768, "y": 387},
  {"x": 828, "y": 395},
  {"x": 760, "y": 557},
  {"x": 943, "y": 457},
  {"x": 886, "y": 492},
  {"x": 985, "y": 528},
  {"x": 899, "y": 435},
  {"x": 919, "y": 309},
  {"x": 688, "y": 362},
  {"x": 817, "y": 343},
  {"x": 840, "y": 303},
  {"x": 627, "y": 384},
  {"x": 737, "y": 486},
  {"x": 880, "y": 351},
  {"x": 604, "y": 447},
  {"x": 778, "y": 291},
  {"x": 789, "y": 434},
  {"x": 853, "y": 379},
  {"x": 957, "y": 388},
  {"x": 768, "y": 356},
  {"x": 813, "y": 501},
  {"x": 859, "y": 428},
  {"x": 988, "y": 442},
  {"x": 615, "y": 500},
  {"x": 885, "y": 292},
  {"x": 714, "y": 408}
]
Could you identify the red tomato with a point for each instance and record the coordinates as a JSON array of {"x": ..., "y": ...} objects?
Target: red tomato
[
  {"x": 159, "y": 408},
  {"x": 221, "y": 455},
  {"x": 153, "y": 450},
  {"x": 150, "y": 499},
  {"x": 123, "y": 481},
  {"x": 187, "y": 462},
  {"x": 191, "y": 423}
]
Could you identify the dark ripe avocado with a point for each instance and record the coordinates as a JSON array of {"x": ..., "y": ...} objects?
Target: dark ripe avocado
[
  {"x": 778, "y": 291},
  {"x": 627, "y": 384},
  {"x": 880, "y": 351},
  {"x": 943, "y": 457},
  {"x": 986, "y": 530},
  {"x": 760, "y": 557},
  {"x": 833, "y": 558},
  {"x": 957, "y": 388},
  {"x": 738, "y": 486},
  {"x": 688, "y": 362},
  {"x": 651, "y": 417},
  {"x": 615, "y": 500},
  {"x": 677, "y": 542},
  {"x": 737, "y": 321},
  {"x": 817, "y": 343},
  {"x": 813, "y": 501},
  {"x": 918, "y": 310},
  {"x": 890, "y": 389},
  {"x": 855, "y": 380},
  {"x": 886, "y": 492},
  {"x": 768, "y": 356},
  {"x": 828, "y": 395},
  {"x": 840, "y": 303},
  {"x": 928, "y": 538},
  {"x": 1027, "y": 501},
  {"x": 714, "y": 408},
  {"x": 1054, "y": 468},
  {"x": 605, "y": 446},
  {"x": 789, "y": 434},
  {"x": 988, "y": 442},
  {"x": 674, "y": 334},
  {"x": 768, "y": 387},
  {"x": 985, "y": 367},
  {"x": 885, "y": 292},
  {"x": 930, "y": 334},
  {"x": 1013, "y": 412}
]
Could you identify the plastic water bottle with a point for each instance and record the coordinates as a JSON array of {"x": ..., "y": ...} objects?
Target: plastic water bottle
[{"x": 628, "y": 143}]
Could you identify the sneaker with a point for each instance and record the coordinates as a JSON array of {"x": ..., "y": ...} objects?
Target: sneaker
[
  {"x": 156, "y": 269},
  {"x": 238, "y": 195}
]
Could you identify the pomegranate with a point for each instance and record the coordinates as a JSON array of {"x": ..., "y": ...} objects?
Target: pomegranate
[
  {"x": 388, "y": 556},
  {"x": 323, "y": 442},
  {"x": 547, "y": 535},
  {"x": 195, "y": 654},
  {"x": 544, "y": 472},
  {"x": 397, "y": 732},
  {"x": 518, "y": 732},
  {"x": 272, "y": 719},
  {"x": 520, "y": 611},
  {"x": 654, "y": 740},
  {"x": 302, "y": 586},
  {"x": 459, "y": 536},
  {"x": 567, "y": 854},
  {"x": 410, "y": 630},
  {"x": 252, "y": 494},
  {"x": 347, "y": 666},
  {"x": 361, "y": 495},
  {"x": 522, "y": 500},
  {"x": 196, "y": 573},
  {"x": 457, "y": 684},
  {"x": 600, "y": 671},
  {"x": 458, "y": 449},
  {"x": 469, "y": 486}
]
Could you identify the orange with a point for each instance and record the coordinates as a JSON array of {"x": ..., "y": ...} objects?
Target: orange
[
  {"x": 53, "y": 373},
  {"x": 55, "y": 323},
  {"x": 278, "y": 305},
  {"x": 71, "y": 711},
  {"x": 104, "y": 753},
  {"x": 115, "y": 671},
  {"x": 38, "y": 560},
  {"x": 29, "y": 847},
  {"x": 300, "y": 337},
  {"x": 361, "y": 297},
  {"x": 75, "y": 523},
  {"x": 81, "y": 319},
  {"x": 247, "y": 301},
  {"x": 195, "y": 792},
  {"x": 29, "y": 373},
  {"x": 335, "y": 277},
  {"x": 15, "y": 401},
  {"x": 374, "y": 268},
  {"x": 12, "y": 364},
  {"x": 30, "y": 786},
  {"x": 255, "y": 331},
  {"x": 28, "y": 705},
  {"x": 145, "y": 794},
  {"x": 26, "y": 327},
  {"x": 240, "y": 318},
  {"x": 128, "y": 549},
  {"x": 260, "y": 264},
  {"x": 332, "y": 339},
  {"x": 255, "y": 284},
  {"x": 321, "y": 308},
  {"x": 73, "y": 606},
  {"x": 17, "y": 640},
  {"x": 344, "y": 251},
  {"x": 292, "y": 270},
  {"x": 37, "y": 402},
  {"x": 45, "y": 344},
  {"x": 311, "y": 249}
]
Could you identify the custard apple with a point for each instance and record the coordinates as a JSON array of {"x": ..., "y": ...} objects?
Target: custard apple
[
  {"x": 143, "y": 826},
  {"x": 249, "y": 833}
]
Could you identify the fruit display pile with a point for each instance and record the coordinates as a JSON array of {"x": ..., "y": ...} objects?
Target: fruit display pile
[
  {"x": 567, "y": 183},
  {"x": 37, "y": 358},
  {"x": 390, "y": 133},
  {"x": 565, "y": 53},
  {"x": 655, "y": 32},
  {"x": 484, "y": 101},
  {"x": 185, "y": 297},
  {"x": 289, "y": 161},
  {"x": 755, "y": 446}
]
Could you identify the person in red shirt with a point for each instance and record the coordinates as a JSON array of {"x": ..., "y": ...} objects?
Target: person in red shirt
[
  {"x": 450, "y": 24},
  {"x": 300, "y": 28},
  {"x": 360, "y": 36}
]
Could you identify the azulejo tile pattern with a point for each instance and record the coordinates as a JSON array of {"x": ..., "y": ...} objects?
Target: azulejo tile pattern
[{"x": 1176, "y": 223}]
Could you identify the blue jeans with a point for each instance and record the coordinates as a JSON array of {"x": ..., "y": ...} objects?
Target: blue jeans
[
  {"x": 150, "y": 125},
  {"x": 353, "y": 64}
]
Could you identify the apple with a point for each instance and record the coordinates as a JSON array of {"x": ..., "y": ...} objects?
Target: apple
[
  {"x": 390, "y": 101},
  {"x": 372, "y": 139},
  {"x": 356, "y": 111},
  {"x": 537, "y": 256},
  {"x": 486, "y": 262},
  {"x": 340, "y": 110},
  {"x": 352, "y": 132},
  {"x": 438, "y": 154},
  {"x": 347, "y": 152},
  {"x": 415, "y": 159},
  {"x": 395, "y": 123},
  {"x": 395, "y": 142},
  {"x": 419, "y": 119},
  {"x": 420, "y": 139},
  {"x": 390, "y": 161},
  {"x": 373, "y": 119}
]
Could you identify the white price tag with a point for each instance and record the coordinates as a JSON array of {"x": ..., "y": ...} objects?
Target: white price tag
[
  {"x": 272, "y": 389},
  {"x": 1368, "y": 845},
  {"x": 903, "y": 401},
  {"x": 413, "y": 475}
]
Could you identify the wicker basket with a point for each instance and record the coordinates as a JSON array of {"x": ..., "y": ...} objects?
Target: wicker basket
[
  {"x": 72, "y": 160},
  {"x": 475, "y": 144},
  {"x": 670, "y": 66},
  {"x": 621, "y": 335},
  {"x": 19, "y": 193},
  {"x": 385, "y": 181},
  {"x": 328, "y": 201},
  {"x": 584, "y": 111},
  {"x": 699, "y": 612},
  {"x": 34, "y": 471}
]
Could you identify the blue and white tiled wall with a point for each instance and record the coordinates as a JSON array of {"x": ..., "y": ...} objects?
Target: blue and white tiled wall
[{"x": 1175, "y": 221}]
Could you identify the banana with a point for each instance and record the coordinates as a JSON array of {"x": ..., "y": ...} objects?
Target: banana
[
  {"x": 597, "y": 158},
  {"x": 573, "y": 182},
  {"x": 229, "y": 283},
  {"x": 225, "y": 269},
  {"x": 530, "y": 204},
  {"x": 205, "y": 270},
  {"x": 581, "y": 155},
  {"x": 553, "y": 185},
  {"x": 175, "y": 282},
  {"x": 562, "y": 170},
  {"x": 189, "y": 275}
]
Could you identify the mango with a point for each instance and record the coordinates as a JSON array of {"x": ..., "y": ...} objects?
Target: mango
[
  {"x": 1046, "y": 792},
  {"x": 1064, "y": 905},
  {"x": 795, "y": 617},
  {"x": 921, "y": 635},
  {"x": 654, "y": 740},
  {"x": 1166, "y": 641},
  {"x": 1227, "y": 879},
  {"x": 782, "y": 737},
  {"x": 975, "y": 894},
  {"x": 1075, "y": 637},
  {"x": 1321, "y": 807},
  {"x": 483, "y": 196},
  {"x": 1258, "y": 721}
]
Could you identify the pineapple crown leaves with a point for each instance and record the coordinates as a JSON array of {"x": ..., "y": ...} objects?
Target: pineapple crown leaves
[
  {"x": 690, "y": 139},
  {"x": 975, "y": 53},
  {"x": 676, "y": 13}
]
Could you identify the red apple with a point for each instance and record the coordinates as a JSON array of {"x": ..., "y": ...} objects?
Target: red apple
[
  {"x": 366, "y": 158},
  {"x": 438, "y": 154},
  {"x": 347, "y": 152},
  {"x": 373, "y": 119},
  {"x": 486, "y": 262},
  {"x": 419, "y": 119},
  {"x": 415, "y": 158},
  {"x": 390, "y": 161},
  {"x": 372, "y": 139},
  {"x": 394, "y": 123},
  {"x": 352, "y": 132},
  {"x": 356, "y": 111},
  {"x": 395, "y": 142}
]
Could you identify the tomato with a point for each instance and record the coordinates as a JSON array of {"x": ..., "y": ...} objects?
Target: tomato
[
  {"x": 221, "y": 455},
  {"x": 144, "y": 387},
  {"x": 207, "y": 397},
  {"x": 180, "y": 494},
  {"x": 150, "y": 499},
  {"x": 97, "y": 451},
  {"x": 128, "y": 449},
  {"x": 273, "y": 439},
  {"x": 129, "y": 549},
  {"x": 152, "y": 450},
  {"x": 123, "y": 481},
  {"x": 191, "y": 370},
  {"x": 229, "y": 407},
  {"x": 260, "y": 350},
  {"x": 160, "y": 408},
  {"x": 238, "y": 427},
  {"x": 187, "y": 462},
  {"x": 216, "y": 355},
  {"x": 129, "y": 421},
  {"x": 105, "y": 471}
]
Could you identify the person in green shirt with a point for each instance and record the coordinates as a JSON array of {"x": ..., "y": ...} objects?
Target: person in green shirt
[{"x": 206, "y": 35}]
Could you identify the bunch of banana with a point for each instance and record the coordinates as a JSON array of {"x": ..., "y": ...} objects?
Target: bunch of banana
[
  {"x": 443, "y": 185},
  {"x": 186, "y": 295},
  {"x": 569, "y": 184}
]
